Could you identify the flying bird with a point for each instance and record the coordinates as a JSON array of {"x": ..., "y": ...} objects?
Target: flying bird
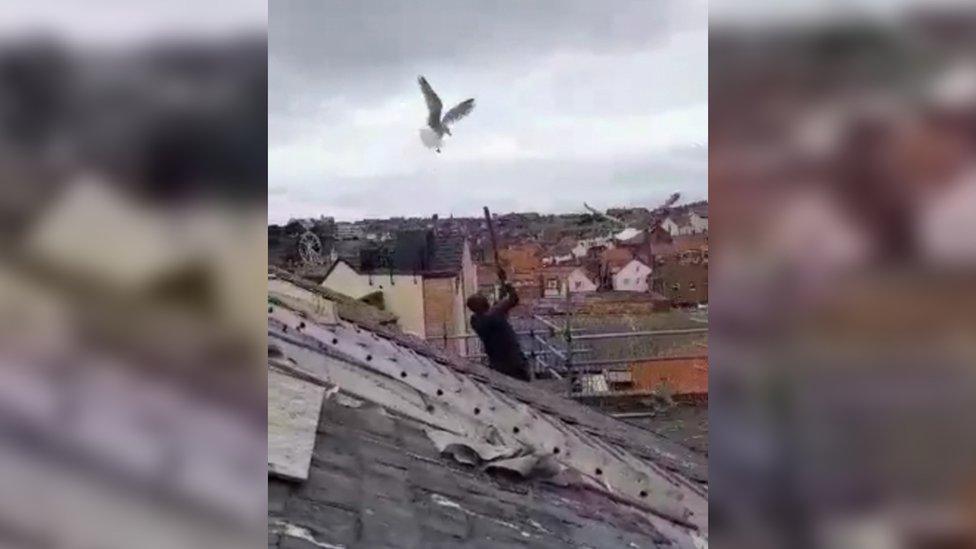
[{"x": 433, "y": 135}]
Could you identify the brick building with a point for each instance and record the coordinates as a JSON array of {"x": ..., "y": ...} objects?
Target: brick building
[{"x": 682, "y": 283}]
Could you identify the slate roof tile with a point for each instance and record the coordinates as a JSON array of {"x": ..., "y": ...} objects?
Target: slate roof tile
[{"x": 376, "y": 470}]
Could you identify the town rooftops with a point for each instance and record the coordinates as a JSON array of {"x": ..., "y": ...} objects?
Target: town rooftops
[
  {"x": 384, "y": 441},
  {"x": 411, "y": 252}
]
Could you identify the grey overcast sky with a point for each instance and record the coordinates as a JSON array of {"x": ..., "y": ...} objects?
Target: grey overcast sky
[
  {"x": 576, "y": 100},
  {"x": 121, "y": 22}
]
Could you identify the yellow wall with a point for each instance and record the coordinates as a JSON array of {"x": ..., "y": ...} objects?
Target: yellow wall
[{"x": 402, "y": 296}]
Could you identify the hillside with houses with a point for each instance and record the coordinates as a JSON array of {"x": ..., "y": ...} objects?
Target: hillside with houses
[{"x": 654, "y": 258}]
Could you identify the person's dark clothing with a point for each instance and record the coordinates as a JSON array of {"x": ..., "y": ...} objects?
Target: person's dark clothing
[{"x": 500, "y": 341}]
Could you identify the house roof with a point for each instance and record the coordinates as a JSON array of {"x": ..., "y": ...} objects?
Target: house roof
[
  {"x": 627, "y": 234},
  {"x": 680, "y": 219},
  {"x": 411, "y": 252},
  {"x": 635, "y": 260},
  {"x": 679, "y": 244},
  {"x": 424, "y": 251},
  {"x": 416, "y": 448},
  {"x": 635, "y": 240},
  {"x": 686, "y": 242},
  {"x": 617, "y": 257}
]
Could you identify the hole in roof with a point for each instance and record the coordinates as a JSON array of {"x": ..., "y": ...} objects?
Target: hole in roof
[
  {"x": 335, "y": 341},
  {"x": 301, "y": 326},
  {"x": 440, "y": 392},
  {"x": 515, "y": 430},
  {"x": 270, "y": 310},
  {"x": 369, "y": 357},
  {"x": 599, "y": 471},
  {"x": 430, "y": 408},
  {"x": 477, "y": 411},
  {"x": 555, "y": 450},
  {"x": 643, "y": 493},
  {"x": 403, "y": 374}
]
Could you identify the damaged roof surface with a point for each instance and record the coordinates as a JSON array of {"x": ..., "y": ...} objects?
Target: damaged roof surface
[{"x": 415, "y": 449}]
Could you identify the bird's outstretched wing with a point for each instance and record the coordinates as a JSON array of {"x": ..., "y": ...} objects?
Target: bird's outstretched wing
[
  {"x": 433, "y": 103},
  {"x": 458, "y": 112}
]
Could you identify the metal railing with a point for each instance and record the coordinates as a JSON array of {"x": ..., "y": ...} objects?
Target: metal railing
[{"x": 559, "y": 349}]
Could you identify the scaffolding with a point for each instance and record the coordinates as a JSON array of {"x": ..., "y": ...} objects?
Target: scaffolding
[{"x": 561, "y": 350}]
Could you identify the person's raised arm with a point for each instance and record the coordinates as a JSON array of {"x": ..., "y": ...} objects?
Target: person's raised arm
[{"x": 508, "y": 301}]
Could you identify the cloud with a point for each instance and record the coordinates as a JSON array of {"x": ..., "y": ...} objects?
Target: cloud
[{"x": 575, "y": 101}]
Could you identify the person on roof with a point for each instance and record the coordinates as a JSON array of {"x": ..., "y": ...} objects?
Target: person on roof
[{"x": 498, "y": 338}]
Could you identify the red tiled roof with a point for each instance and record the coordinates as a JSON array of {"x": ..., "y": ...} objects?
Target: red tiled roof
[{"x": 617, "y": 257}]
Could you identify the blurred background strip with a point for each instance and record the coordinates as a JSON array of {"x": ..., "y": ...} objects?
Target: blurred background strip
[
  {"x": 133, "y": 176},
  {"x": 843, "y": 185}
]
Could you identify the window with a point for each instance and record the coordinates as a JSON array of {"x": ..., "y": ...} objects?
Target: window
[
  {"x": 578, "y": 284},
  {"x": 626, "y": 281},
  {"x": 675, "y": 287},
  {"x": 691, "y": 286}
]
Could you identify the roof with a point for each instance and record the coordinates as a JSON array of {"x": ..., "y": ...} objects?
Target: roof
[
  {"x": 346, "y": 307},
  {"x": 635, "y": 240},
  {"x": 635, "y": 260},
  {"x": 423, "y": 251},
  {"x": 680, "y": 219},
  {"x": 686, "y": 242},
  {"x": 617, "y": 257},
  {"x": 415, "y": 448},
  {"x": 680, "y": 243},
  {"x": 412, "y": 252},
  {"x": 627, "y": 234}
]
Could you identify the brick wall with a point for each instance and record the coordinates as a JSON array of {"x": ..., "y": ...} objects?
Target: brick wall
[
  {"x": 618, "y": 307},
  {"x": 682, "y": 376}
]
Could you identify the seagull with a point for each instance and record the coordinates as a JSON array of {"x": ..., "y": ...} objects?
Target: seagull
[{"x": 432, "y": 136}]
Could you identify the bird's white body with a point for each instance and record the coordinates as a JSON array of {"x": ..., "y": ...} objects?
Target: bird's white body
[
  {"x": 437, "y": 126},
  {"x": 431, "y": 139}
]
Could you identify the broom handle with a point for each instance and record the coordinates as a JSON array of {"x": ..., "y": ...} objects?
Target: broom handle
[{"x": 494, "y": 244}]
